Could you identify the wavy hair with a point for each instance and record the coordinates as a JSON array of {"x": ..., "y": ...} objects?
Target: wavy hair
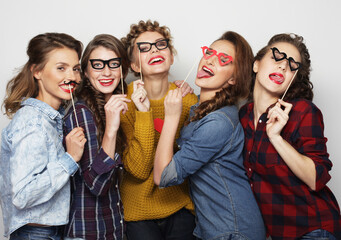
[
  {"x": 137, "y": 29},
  {"x": 24, "y": 85},
  {"x": 301, "y": 87},
  {"x": 93, "y": 98},
  {"x": 242, "y": 74}
]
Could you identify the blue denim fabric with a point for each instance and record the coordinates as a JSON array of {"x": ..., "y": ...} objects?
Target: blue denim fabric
[
  {"x": 318, "y": 234},
  {"x": 36, "y": 233},
  {"x": 35, "y": 169},
  {"x": 211, "y": 155}
]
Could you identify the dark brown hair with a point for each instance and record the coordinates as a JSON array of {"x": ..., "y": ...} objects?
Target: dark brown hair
[
  {"x": 24, "y": 85},
  {"x": 93, "y": 98},
  {"x": 231, "y": 94},
  {"x": 301, "y": 86},
  {"x": 137, "y": 29}
]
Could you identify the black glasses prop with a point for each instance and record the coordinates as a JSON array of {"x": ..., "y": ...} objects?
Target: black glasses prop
[
  {"x": 99, "y": 64},
  {"x": 279, "y": 56},
  {"x": 146, "y": 46},
  {"x": 294, "y": 66}
]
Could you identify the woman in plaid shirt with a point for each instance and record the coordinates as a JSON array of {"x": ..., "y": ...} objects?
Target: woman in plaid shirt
[
  {"x": 285, "y": 150},
  {"x": 96, "y": 207}
]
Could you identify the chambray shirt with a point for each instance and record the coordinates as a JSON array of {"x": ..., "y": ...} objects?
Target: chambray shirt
[
  {"x": 35, "y": 169},
  {"x": 211, "y": 155}
]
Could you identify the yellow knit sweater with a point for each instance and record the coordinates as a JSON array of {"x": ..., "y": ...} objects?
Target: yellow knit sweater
[{"x": 142, "y": 199}]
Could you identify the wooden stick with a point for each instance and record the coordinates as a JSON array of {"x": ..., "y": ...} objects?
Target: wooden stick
[
  {"x": 73, "y": 104},
  {"x": 289, "y": 85},
  {"x": 188, "y": 74},
  {"x": 122, "y": 79},
  {"x": 140, "y": 65}
]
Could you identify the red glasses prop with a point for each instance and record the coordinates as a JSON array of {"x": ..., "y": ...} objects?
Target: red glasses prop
[{"x": 223, "y": 58}]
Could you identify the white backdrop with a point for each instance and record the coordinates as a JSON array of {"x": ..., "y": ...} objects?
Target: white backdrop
[{"x": 193, "y": 24}]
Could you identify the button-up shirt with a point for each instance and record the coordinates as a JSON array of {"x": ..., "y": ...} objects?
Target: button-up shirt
[
  {"x": 211, "y": 155},
  {"x": 289, "y": 207},
  {"x": 35, "y": 169},
  {"x": 96, "y": 207}
]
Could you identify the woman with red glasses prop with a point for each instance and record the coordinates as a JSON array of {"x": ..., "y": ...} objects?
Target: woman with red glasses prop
[
  {"x": 96, "y": 207},
  {"x": 150, "y": 212},
  {"x": 35, "y": 168},
  {"x": 211, "y": 145},
  {"x": 285, "y": 150}
]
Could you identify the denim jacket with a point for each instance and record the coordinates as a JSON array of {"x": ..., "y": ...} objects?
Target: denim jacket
[
  {"x": 35, "y": 169},
  {"x": 211, "y": 155}
]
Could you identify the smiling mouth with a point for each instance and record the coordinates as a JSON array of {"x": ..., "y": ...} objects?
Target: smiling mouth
[
  {"x": 156, "y": 60},
  {"x": 106, "y": 82},
  {"x": 68, "y": 87}
]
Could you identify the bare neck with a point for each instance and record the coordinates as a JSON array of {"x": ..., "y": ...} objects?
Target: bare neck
[{"x": 156, "y": 86}]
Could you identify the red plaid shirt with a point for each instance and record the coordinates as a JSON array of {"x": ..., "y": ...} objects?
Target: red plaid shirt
[{"x": 289, "y": 207}]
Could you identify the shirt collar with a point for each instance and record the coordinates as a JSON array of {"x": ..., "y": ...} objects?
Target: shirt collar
[{"x": 44, "y": 107}]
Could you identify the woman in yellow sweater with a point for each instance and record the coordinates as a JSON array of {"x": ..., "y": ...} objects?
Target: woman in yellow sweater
[{"x": 150, "y": 212}]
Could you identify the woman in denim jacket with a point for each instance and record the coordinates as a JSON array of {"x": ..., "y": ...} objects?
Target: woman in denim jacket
[
  {"x": 211, "y": 145},
  {"x": 35, "y": 169}
]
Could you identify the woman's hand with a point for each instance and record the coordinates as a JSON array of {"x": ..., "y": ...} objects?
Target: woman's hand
[
  {"x": 185, "y": 89},
  {"x": 75, "y": 141},
  {"x": 139, "y": 96},
  {"x": 173, "y": 103},
  {"x": 277, "y": 119},
  {"x": 115, "y": 105}
]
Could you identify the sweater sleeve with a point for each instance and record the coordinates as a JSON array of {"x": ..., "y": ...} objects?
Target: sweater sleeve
[
  {"x": 96, "y": 167},
  {"x": 138, "y": 127}
]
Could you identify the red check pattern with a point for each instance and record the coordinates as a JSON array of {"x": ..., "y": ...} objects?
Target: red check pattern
[{"x": 289, "y": 207}]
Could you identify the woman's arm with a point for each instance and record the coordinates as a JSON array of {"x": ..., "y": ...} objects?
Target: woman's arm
[
  {"x": 138, "y": 126},
  {"x": 37, "y": 173},
  {"x": 96, "y": 166},
  {"x": 300, "y": 162},
  {"x": 164, "y": 150}
]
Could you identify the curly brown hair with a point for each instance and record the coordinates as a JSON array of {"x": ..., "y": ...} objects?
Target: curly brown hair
[
  {"x": 137, "y": 29},
  {"x": 242, "y": 74},
  {"x": 24, "y": 85},
  {"x": 301, "y": 86},
  {"x": 93, "y": 98}
]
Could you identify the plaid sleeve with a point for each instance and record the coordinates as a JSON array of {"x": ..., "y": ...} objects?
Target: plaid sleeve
[
  {"x": 311, "y": 142},
  {"x": 96, "y": 167}
]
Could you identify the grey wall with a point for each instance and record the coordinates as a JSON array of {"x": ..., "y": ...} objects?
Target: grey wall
[{"x": 193, "y": 24}]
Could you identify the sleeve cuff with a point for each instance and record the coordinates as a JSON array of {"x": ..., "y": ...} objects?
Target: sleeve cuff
[
  {"x": 144, "y": 116},
  {"x": 69, "y": 164},
  {"x": 169, "y": 176},
  {"x": 105, "y": 163}
]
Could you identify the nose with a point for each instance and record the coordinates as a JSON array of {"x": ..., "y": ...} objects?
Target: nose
[
  {"x": 71, "y": 75},
  {"x": 210, "y": 61},
  {"x": 283, "y": 64},
  {"x": 154, "y": 48},
  {"x": 106, "y": 71}
]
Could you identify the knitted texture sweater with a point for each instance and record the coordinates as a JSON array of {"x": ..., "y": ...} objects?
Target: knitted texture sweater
[{"x": 142, "y": 199}]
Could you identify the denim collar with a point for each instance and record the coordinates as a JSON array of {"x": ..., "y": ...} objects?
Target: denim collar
[{"x": 44, "y": 107}]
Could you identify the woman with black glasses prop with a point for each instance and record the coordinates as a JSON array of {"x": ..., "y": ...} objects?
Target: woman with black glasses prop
[
  {"x": 96, "y": 207},
  {"x": 150, "y": 212},
  {"x": 212, "y": 144},
  {"x": 285, "y": 149}
]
